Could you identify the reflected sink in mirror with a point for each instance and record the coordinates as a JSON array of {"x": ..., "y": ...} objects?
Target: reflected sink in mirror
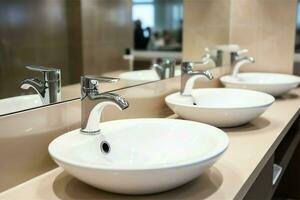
[
  {"x": 15, "y": 104},
  {"x": 144, "y": 155},
  {"x": 131, "y": 45},
  {"x": 143, "y": 75},
  {"x": 220, "y": 107},
  {"x": 272, "y": 83}
]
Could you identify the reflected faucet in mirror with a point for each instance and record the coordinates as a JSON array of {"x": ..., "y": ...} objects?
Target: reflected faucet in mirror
[
  {"x": 237, "y": 60},
  {"x": 90, "y": 114},
  {"x": 215, "y": 57},
  {"x": 166, "y": 69},
  {"x": 48, "y": 88},
  {"x": 188, "y": 76}
]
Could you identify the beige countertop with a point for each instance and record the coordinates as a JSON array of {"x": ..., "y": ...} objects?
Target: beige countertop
[{"x": 230, "y": 178}]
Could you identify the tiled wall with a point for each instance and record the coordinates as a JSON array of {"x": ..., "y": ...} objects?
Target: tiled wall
[
  {"x": 24, "y": 30},
  {"x": 267, "y": 29},
  {"x": 206, "y": 24},
  {"x": 76, "y": 36},
  {"x": 107, "y": 30}
]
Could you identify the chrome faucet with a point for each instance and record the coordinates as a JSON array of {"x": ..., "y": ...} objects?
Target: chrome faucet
[
  {"x": 91, "y": 113},
  {"x": 49, "y": 88},
  {"x": 188, "y": 76},
  {"x": 166, "y": 69},
  {"x": 237, "y": 60},
  {"x": 215, "y": 57}
]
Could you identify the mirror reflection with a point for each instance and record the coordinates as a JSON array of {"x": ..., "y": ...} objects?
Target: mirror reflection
[
  {"x": 157, "y": 25},
  {"x": 74, "y": 37},
  {"x": 46, "y": 45},
  {"x": 157, "y": 34},
  {"x": 297, "y": 42}
]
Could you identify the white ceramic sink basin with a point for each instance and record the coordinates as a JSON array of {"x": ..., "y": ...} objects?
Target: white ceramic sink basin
[
  {"x": 146, "y": 156},
  {"x": 143, "y": 75},
  {"x": 14, "y": 104},
  {"x": 220, "y": 107},
  {"x": 272, "y": 83}
]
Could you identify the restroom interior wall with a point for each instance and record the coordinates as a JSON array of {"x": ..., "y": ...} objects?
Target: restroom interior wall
[
  {"x": 107, "y": 30},
  {"x": 74, "y": 35},
  {"x": 206, "y": 24},
  {"x": 267, "y": 29},
  {"x": 31, "y": 32}
]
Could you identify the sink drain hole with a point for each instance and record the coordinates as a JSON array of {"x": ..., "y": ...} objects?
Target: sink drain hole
[{"x": 105, "y": 147}]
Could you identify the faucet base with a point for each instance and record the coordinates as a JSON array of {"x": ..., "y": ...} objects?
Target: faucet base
[{"x": 85, "y": 132}]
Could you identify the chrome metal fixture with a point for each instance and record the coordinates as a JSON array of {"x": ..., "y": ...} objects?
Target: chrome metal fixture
[
  {"x": 215, "y": 57},
  {"x": 90, "y": 94},
  {"x": 188, "y": 76},
  {"x": 166, "y": 69},
  {"x": 237, "y": 60},
  {"x": 48, "y": 88}
]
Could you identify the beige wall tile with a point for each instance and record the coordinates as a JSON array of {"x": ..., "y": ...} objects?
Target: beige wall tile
[
  {"x": 107, "y": 32},
  {"x": 206, "y": 24},
  {"x": 267, "y": 29}
]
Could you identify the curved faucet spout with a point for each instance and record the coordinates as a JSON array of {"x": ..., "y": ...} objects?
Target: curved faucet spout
[
  {"x": 91, "y": 112},
  {"x": 36, "y": 84},
  {"x": 205, "y": 73},
  {"x": 166, "y": 69},
  {"x": 48, "y": 88},
  {"x": 189, "y": 76},
  {"x": 208, "y": 59},
  {"x": 241, "y": 62},
  {"x": 120, "y": 101},
  {"x": 91, "y": 126},
  {"x": 237, "y": 60},
  {"x": 194, "y": 76},
  {"x": 160, "y": 71}
]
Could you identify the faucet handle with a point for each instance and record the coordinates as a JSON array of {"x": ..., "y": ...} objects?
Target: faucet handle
[
  {"x": 207, "y": 51},
  {"x": 90, "y": 82},
  {"x": 239, "y": 52},
  {"x": 169, "y": 62},
  {"x": 41, "y": 68},
  {"x": 187, "y": 66},
  {"x": 50, "y": 74}
]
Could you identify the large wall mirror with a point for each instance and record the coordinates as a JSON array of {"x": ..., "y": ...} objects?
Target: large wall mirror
[
  {"x": 297, "y": 42},
  {"x": 42, "y": 41}
]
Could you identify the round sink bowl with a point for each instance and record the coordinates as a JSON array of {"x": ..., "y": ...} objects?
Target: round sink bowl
[
  {"x": 221, "y": 107},
  {"x": 143, "y": 75},
  {"x": 271, "y": 83},
  {"x": 146, "y": 155}
]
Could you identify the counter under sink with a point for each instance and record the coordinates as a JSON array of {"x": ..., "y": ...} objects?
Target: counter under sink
[{"x": 231, "y": 177}]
